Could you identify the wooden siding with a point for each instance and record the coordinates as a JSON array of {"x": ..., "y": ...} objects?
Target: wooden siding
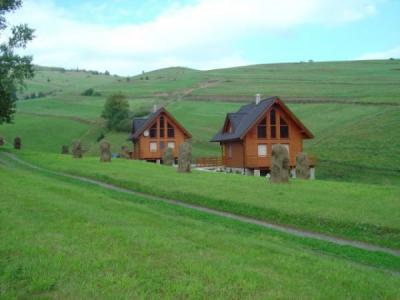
[
  {"x": 245, "y": 153},
  {"x": 142, "y": 145},
  {"x": 236, "y": 159}
]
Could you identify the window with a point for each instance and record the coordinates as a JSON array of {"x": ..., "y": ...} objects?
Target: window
[
  {"x": 171, "y": 145},
  {"x": 272, "y": 117},
  {"x": 153, "y": 131},
  {"x": 262, "y": 129},
  {"x": 162, "y": 144},
  {"x": 162, "y": 126},
  {"x": 284, "y": 128},
  {"x": 153, "y": 147},
  {"x": 170, "y": 131},
  {"x": 262, "y": 150}
]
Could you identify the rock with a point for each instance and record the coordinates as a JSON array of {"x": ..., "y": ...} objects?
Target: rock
[
  {"x": 185, "y": 157},
  {"x": 168, "y": 157},
  {"x": 1, "y": 141},
  {"x": 280, "y": 164},
  {"x": 17, "y": 143},
  {"x": 124, "y": 152},
  {"x": 302, "y": 166},
  {"x": 105, "y": 151},
  {"x": 64, "y": 149},
  {"x": 77, "y": 151}
]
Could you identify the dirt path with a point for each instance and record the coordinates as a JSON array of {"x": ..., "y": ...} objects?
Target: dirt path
[{"x": 281, "y": 228}]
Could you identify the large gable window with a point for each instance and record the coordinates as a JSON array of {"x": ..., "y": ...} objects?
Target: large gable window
[
  {"x": 162, "y": 126},
  {"x": 272, "y": 116},
  {"x": 284, "y": 129},
  {"x": 170, "y": 131},
  {"x": 153, "y": 131},
  {"x": 262, "y": 129}
]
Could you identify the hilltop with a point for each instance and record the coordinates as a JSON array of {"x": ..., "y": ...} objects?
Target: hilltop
[{"x": 352, "y": 108}]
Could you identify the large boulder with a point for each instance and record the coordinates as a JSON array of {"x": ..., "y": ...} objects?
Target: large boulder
[
  {"x": 124, "y": 152},
  {"x": 17, "y": 143},
  {"x": 168, "y": 157},
  {"x": 64, "y": 149},
  {"x": 280, "y": 164},
  {"x": 302, "y": 166},
  {"x": 77, "y": 151},
  {"x": 1, "y": 141},
  {"x": 185, "y": 157},
  {"x": 105, "y": 151}
]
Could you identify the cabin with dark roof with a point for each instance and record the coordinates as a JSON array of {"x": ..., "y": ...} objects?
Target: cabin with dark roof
[
  {"x": 152, "y": 135},
  {"x": 247, "y": 136}
]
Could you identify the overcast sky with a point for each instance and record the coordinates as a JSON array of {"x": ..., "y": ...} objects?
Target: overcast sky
[{"x": 126, "y": 37}]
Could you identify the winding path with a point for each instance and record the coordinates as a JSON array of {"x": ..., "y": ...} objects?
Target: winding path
[{"x": 281, "y": 228}]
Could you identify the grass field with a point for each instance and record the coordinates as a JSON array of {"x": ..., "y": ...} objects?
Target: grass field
[
  {"x": 362, "y": 212},
  {"x": 63, "y": 239}
]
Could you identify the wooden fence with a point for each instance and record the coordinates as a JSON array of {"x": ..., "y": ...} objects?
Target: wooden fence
[{"x": 211, "y": 161}]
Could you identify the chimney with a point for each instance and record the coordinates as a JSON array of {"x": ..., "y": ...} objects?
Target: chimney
[
  {"x": 154, "y": 107},
  {"x": 258, "y": 98}
]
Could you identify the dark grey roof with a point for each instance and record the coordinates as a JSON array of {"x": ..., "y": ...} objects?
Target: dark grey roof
[
  {"x": 140, "y": 124},
  {"x": 243, "y": 119}
]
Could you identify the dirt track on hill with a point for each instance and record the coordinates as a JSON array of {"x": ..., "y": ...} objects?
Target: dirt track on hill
[{"x": 281, "y": 228}]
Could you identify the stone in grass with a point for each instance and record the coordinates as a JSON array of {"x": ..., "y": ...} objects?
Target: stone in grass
[
  {"x": 1, "y": 141},
  {"x": 77, "y": 151},
  {"x": 17, "y": 143},
  {"x": 105, "y": 151},
  {"x": 64, "y": 149},
  {"x": 302, "y": 166},
  {"x": 184, "y": 158},
  {"x": 124, "y": 152},
  {"x": 280, "y": 164},
  {"x": 168, "y": 157}
]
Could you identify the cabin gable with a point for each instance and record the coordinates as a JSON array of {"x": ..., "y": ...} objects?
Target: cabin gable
[{"x": 158, "y": 133}]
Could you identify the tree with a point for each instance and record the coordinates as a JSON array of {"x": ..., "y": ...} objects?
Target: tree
[
  {"x": 14, "y": 68},
  {"x": 116, "y": 110}
]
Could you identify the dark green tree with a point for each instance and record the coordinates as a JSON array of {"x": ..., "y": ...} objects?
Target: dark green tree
[
  {"x": 116, "y": 110},
  {"x": 14, "y": 68}
]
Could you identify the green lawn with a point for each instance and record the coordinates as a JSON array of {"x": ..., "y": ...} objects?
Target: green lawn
[
  {"x": 63, "y": 239},
  {"x": 364, "y": 212}
]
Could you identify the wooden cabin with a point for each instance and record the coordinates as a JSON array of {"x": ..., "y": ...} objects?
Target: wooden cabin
[
  {"x": 247, "y": 135},
  {"x": 152, "y": 135}
]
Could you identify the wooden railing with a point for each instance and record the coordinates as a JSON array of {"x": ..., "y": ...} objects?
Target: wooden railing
[{"x": 211, "y": 161}]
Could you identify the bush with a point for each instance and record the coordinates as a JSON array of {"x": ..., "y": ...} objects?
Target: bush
[
  {"x": 116, "y": 109},
  {"x": 100, "y": 137},
  {"x": 124, "y": 125},
  {"x": 33, "y": 95},
  {"x": 41, "y": 95},
  {"x": 97, "y": 94},
  {"x": 88, "y": 92}
]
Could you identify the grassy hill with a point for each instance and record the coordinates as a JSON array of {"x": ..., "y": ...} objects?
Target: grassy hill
[
  {"x": 66, "y": 239},
  {"x": 353, "y": 109}
]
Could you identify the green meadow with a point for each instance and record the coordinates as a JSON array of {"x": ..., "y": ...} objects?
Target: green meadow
[
  {"x": 353, "y": 109},
  {"x": 359, "y": 211},
  {"x": 62, "y": 238},
  {"x": 66, "y": 239}
]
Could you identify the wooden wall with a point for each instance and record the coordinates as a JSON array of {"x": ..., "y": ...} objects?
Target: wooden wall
[
  {"x": 251, "y": 142},
  {"x": 142, "y": 146},
  {"x": 249, "y": 145}
]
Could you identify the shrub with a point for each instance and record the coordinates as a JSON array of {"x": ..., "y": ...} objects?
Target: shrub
[
  {"x": 33, "y": 95},
  {"x": 88, "y": 92},
  {"x": 116, "y": 109},
  {"x": 100, "y": 137},
  {"x": 41, "y": 95},
  {"x": 97, "y": 94}
]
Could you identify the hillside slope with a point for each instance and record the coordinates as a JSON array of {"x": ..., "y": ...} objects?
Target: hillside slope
[{"x": 353, "y": 108}]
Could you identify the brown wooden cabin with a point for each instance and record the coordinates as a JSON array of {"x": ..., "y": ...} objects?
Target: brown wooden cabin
[
  {"x": 247, "y": 135},
  {"x": 152, "y": 135}
]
